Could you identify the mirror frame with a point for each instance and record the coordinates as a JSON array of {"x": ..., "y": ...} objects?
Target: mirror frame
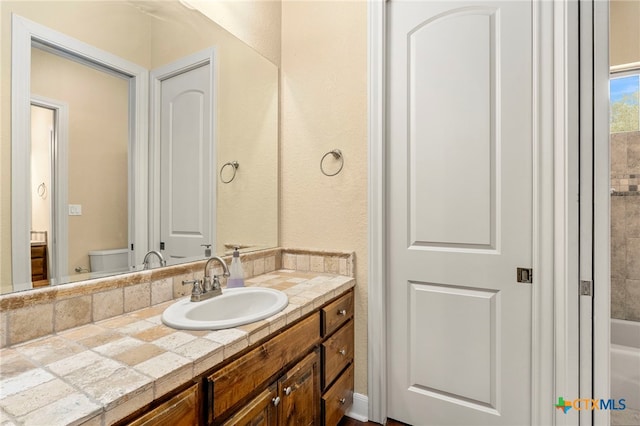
[{"x": 24, "y": 33}]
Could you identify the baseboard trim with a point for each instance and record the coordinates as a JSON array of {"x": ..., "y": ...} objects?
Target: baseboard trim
[{"x": 360, "y": 408}]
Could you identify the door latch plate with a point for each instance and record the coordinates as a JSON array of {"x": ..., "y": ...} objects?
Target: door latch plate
[
  {"x": 525, "y": 275},
  {"x": 585, "y": 288}
]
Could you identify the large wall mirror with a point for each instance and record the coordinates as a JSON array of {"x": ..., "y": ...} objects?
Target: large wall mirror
[{"x": 133, "y": 126}]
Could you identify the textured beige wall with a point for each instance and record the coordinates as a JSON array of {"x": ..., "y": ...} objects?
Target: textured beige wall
[
  {"x": 624, "y": 31},
  {"x": 256, "y": 22},
  {"x": 324, "y": 106}
]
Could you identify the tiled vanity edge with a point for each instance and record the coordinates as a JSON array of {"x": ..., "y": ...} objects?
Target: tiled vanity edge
[
  {"x": 37, "y": 313},
  {"x": 101, "y": 372}
]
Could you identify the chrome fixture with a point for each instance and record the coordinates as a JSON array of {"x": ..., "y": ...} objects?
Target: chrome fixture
[
  {"x": 234, "y": 166},
  {"x": 146, "y": 262},
  {"x": 337, "y": 155},
  {"x": 208, "y": 287}
]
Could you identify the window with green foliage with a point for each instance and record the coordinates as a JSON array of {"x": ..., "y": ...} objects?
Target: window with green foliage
[{"x": 625, "y": 107}]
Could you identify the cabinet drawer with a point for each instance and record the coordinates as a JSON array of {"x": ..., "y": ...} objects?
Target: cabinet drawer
[
  {"x": 260, "y": 411},
  {"x": 238, "y": 379},
  {"x": 337, "y": 352},
  {"x": 38, "y": 251},
  {"x": 181, "y": 410},
  {"x": 337, "y": 400},
  {"x": 337, "y": 313},
  {"x": 37, "y": 266}
]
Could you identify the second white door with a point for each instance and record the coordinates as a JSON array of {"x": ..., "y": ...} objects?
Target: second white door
[
  {"x": 187, "y": 169},
  {"x": 459, "y": 212}
]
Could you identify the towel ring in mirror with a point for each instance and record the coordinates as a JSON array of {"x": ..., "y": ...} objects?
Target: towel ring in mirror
[
  {"x": 337, "y": 154},
  {"x": 42, "y": 190},
  {"x": 234, "y": 165}
]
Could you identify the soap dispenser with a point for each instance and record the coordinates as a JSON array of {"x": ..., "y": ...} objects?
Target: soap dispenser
[{"x": 236, "y": 274}]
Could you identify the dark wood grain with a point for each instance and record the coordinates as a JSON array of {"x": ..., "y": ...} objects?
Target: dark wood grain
[
  {"x": 240, "y": 378},
  {"x": 347, "y": 421}
]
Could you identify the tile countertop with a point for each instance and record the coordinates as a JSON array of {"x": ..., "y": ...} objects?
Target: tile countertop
[{"x": 99, "y": 373}]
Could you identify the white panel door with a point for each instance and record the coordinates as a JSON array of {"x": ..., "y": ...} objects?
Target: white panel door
[
  {"x": 459, "y": 167},
  {"x": 187, "y": 171}
]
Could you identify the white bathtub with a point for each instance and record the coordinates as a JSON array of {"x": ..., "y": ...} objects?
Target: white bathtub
[{"x": 625, "y": 362}]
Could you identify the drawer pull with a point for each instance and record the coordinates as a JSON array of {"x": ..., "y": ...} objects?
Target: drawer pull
[
  {"x": 342, "y": 352},
  {"x": 342, "y": 312},
  {"x": 288, "y": 390},
  {"x": 276, "y": 401},
  {"x": 342, "y": 401}
]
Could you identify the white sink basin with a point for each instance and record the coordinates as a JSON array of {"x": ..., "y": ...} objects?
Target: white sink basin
[{"x": 236, "y": 306}]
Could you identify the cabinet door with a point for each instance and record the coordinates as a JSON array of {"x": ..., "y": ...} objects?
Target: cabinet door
[
  {"x": 181, "y": 410},
  {"x": 257, "y": 368},
  {"x": 261, "y": 411},
  {"x": 300, "y": 393}
]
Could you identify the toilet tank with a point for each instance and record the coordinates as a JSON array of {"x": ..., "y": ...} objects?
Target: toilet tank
[{"x": 109, "y": 260}]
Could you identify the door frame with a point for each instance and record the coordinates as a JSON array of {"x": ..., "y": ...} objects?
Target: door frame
[
  {"x": 59, "y": 223},
  {"x": 182, "y": 65},
  {"x": 595, "y": 201},
  {"x": 601, "y": 210},
  {"x": 555, "y": 257}
]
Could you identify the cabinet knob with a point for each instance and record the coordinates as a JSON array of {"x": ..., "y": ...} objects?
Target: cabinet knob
[
  {"x": 288, "y": 390},
  {"x": 342, "y": 352},
  {"x": 276, "y": 401},
  {"x": 342, "y": 312},
  {"x": 342, "y": 401}
]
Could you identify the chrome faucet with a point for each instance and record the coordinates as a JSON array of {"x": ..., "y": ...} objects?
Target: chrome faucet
[
  {"x": 209, "y": 287},
  {"x": 146, "y": 261}
]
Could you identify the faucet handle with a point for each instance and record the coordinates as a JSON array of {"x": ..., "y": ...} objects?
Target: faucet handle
[
  {"x": 197, "y": 287},
  {"x": 215, "y": 285}
]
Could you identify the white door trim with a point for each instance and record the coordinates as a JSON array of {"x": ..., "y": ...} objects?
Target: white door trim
[
  {"x": 24, "y": 32},
  {"x": 601, "y": 212},
  {"x": 550, "y": 363},
  {"x": 187, "y": 63},
  {"x": 60, "y": 181},
  {"x": 377, "y": 307}
]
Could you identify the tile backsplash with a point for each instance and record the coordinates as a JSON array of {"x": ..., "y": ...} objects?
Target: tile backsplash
[{"x": 36, "y": 313}]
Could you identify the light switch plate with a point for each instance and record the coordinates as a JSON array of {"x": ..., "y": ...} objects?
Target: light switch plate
[{"x": 75, "y": 209}]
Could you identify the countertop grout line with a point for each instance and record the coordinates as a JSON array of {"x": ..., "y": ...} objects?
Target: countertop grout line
[{"x": 315, "y": 281}]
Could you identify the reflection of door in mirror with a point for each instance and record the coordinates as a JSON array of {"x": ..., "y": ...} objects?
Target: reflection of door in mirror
[
  {"x": 42, "y": 147},
  {"x": 187, "y": 163},
  {"x": 97, "y": 159}
]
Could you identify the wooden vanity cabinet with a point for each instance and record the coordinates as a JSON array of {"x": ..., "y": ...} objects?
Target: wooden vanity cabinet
[
  {"x": 260, "y": 411},
  {"x": 303, "y": 375},
  {"x": 299, "y": 392},
  {"x": 317, "y": 390},
  {"x": 337, "y": 358},
  {"x": 292, "y": 400},
  {"x": 182, "y": 409},
  {"x": 39, "y": 273},
  {"x": 232, "y": 384}
]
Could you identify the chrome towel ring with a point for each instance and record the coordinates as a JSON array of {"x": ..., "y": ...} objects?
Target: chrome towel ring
[
  {"x": 337, "y": 154},
  {"x": 234, "y": 165}
]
